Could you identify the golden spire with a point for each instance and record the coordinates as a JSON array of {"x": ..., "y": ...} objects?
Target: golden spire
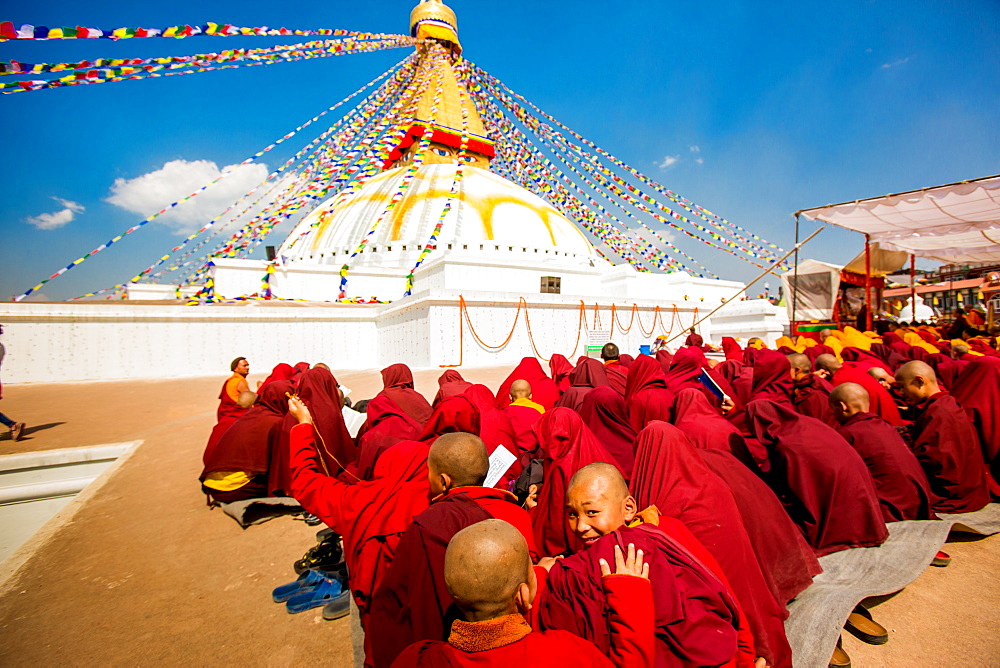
[{"x": 435, "y": 20}]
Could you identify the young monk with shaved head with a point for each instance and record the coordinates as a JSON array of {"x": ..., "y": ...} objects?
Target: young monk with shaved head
[
  {"x": 413, "y": 600},
  {"x": 944, "y": 442},
  {"x": 900, "y": 483},
  {"x": 489, "y": 574},
  {"x": 697, "y": 618}
]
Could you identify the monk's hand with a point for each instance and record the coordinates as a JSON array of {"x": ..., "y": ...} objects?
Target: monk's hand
[
  {"x": 727, "y": 405},
  {"x": 547, "y": 562},
  {"x": 632, "y": 564},
  {"x": 761, "y": 662},
  {"x": 299, "y": 410}
]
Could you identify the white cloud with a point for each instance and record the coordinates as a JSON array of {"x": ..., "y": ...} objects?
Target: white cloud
[
  {"x": 148, "y": 193},
  {"x": 669, "y": 160},
  {"x": 886, "y": 66},
  {"x": 700, "y": 161},
  {"x": 53, "y": 221},
  {"x": 695, "y": 149}
]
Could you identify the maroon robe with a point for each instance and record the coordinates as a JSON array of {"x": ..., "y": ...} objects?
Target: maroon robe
[
  {"x": 560, "y": 368},
  {"x": 822, "y": 481},
  {"x": 864, "y": 357},
  {"x": 566, "y": 445},
  {"x": 685, "y": 371},
  {"x": 694, "y": 340},
  {"x": 646, "y": 394},
  {"x": 811, "y": 396},
  {"x": 882, "y": 403},
  {"x": 665, "y": 358},
  {"x": 696, "y": 616},
  {"x": 977, "y": 389},
  {"x": 587, "y": 375},
  {"x": 494, "y": 426},
  {"x": 227, "y": 413},
  {"x": 671, "y": 476},
  {"x": 901, "y": 485},
  {"x": 703, "y": 426},
  {"x": 281, "y": 371},
  {"x": 946, "y": 445},
  {"x": 397, "y": 384},
  {"x": 454, "y": 414},
  {"x": 450, "y": 383},
  {"x": 386, "y": 424},
  {"x": 617, "y": 375},
  {"x": 603, "y": 411},
  {"x": 412, "y": 602},
  {"x": 543, "y": 389},
  {"x": 786, "y": 560},
  {"x": 522, "y": 420},
  {"x": 318, "y": 389},
  {"x": 732, "y": 349},
  {"x": 812, "y": 352}
]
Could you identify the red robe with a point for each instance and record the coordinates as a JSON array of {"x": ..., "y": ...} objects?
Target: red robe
[
  {"x": 386, "y": 425},
  {"x": 450, "y": 383},
  {"x": 412, "y": 602},
  {"x": 560, "y": 368},
  {"x": 704, "y": 427},
  {"x": 617, "y": 375},
  {"x": 672, "y": 477},
  {"x": 495, "y": 429},
  {"x": 509, "y": 640},
  {"x": 544, "y": 391},
  {"x": 646, "y": 394},
  {"x": 371, "y": 515},
  {"x": 227, "y": 413},
  {"x": 901, "y": 485},
  {"x": 522, "y": 420},
  {"x": 882, "y": 403},
  {"x": 454, "y": 414},
  {"x": 697, "y": 618},
  {"x": 946, "y": 446},
  {"x": 977, "y": 389},
  {"x": 587, "y": 375},
  {"x": 397, "y": 384},
  {"x": 822, "y": 481},
  {"x": 603, "y": 411},
  {"x": 811, "y": 397}
]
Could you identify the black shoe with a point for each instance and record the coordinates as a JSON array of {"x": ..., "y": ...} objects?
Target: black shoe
[
  {"x": 326, "y": 556},
  {"x": 311, "y": 519}
]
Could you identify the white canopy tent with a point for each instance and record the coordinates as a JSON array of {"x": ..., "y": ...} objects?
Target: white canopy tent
[{"x": 954, "y": 223}]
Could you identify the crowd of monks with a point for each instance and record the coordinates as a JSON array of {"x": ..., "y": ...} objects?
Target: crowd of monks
[{"x": 648, "y": 518}]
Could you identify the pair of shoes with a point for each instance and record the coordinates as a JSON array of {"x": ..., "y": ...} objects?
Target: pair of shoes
[
  {"x": 326, "y": 556},
  {"x": 313, "y": 597},
  {"x": 338, "y": 607},
  {"x": 941, "y": 559},
  {"x": 16, "y": 430},
  {"x": 311, "y": 519},
  {"x": 840, "y": 658},
  {"x": 861, "y": 625},
  {"x": 309, "y": 579}
]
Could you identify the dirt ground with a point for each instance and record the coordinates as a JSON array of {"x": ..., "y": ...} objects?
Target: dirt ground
[{"x": 146, "y": 574}]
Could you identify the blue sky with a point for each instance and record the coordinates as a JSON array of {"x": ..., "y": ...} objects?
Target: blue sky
[{"x": 790, "y": 105}]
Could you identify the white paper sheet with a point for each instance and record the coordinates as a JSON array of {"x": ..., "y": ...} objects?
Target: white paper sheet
[{"x": 500, "y": 462}]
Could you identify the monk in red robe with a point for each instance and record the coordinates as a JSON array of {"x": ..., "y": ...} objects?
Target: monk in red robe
[
  {"x": 977, "y": 389},
  {"x": 822, "y": 481},
  {"x": 646, "y": 393},
  {"x": 543, "y": 389},
  {"x": 320, "y": 391},
  {"x": 234, "y": 400},
  {"x": 901, "y": 485},
  {"x": 489, "y": 575},
  {"x": 944, "y": 442},
  {"x": 704, "y": 427},
  {"x": 882, "y": 403},
  {"x": 786, "y": 560},
  {"x": 397, "y": 384},
  {"x": 617, "y": 372},
  {"x": 604, "y": 412},
  {"x": 386, "y": 424},
  {"x": 454, "y": 414},
  {"x": 412, "y": 602},
  {"x": 811, "y": 394},
  {"x": 450, "y": 383},
  {"x": 685, "y": 372},
  {"x": 587, "y": 375},
  {"x": 670, "y": 475},
  {"x": 566, "y": 445},
  {"x": 371, "y": 515},
  {"x": 523, "y": 413},
  {"x": 560, "y": 369},
  {"x": 694, "y": 339},
  {"x": 236, "y": 466},
  {"x": 732, "y": 349},
  {"x": 698, "y": 621},
  {"x": 281, "y": 371}
]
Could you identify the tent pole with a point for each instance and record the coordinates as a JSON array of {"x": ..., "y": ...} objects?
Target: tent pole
[
  {"x": 868, "y": 283},
  {"x": 913, "y": 287},
  {"x": 795, "y": 279}
]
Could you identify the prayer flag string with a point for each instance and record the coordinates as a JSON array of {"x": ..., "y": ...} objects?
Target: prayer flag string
[{"x": 38, "y": 33}]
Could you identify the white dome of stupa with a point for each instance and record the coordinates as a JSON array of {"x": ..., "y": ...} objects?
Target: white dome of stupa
[{"x": 489, "y": 214}]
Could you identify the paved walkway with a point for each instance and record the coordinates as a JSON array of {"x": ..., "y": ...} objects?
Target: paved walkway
[{"x": 146, "y": 574}]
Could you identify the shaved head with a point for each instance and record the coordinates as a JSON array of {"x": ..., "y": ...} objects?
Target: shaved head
[
  {"x": 609, "y": 352},
  {"x": 484, "y": 568},
  {"x": 800, "y": 362},
  {"x": 598, "y": 502},
  {"x": 247, "y": 398},
  {"x": 606, "y": 477},
  {"x": 321, "y": 365},
  {"x": 520, "y": 389},
  {"x": 459, "y": 456},
  {"x": 852, "y": 395},
  {"x": 828, "y": 362},
  {"x": 959, "y": 350},
  {"x": 917, "y": 382}
]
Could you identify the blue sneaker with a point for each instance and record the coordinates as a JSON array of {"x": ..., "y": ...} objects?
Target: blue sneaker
[{"x": 309, "y": 579}]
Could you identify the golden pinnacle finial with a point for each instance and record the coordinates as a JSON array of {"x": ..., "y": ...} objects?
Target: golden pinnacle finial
[{"x": 432, "y": 19}]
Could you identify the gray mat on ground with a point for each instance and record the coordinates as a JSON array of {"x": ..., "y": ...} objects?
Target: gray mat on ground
[
  {"x": 817, "y": 616},
  {"x": 257, "y": 511},
  {"x": 357, "y": 636},
  {"x": 985, "y": 521}
]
